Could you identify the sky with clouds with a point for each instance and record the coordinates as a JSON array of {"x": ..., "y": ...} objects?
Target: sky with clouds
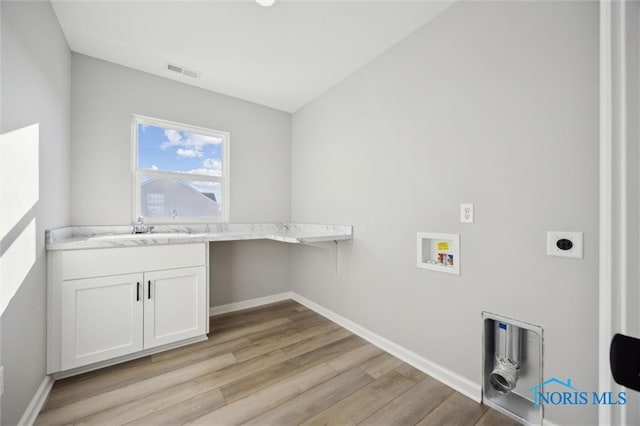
[
  {"x": 172, "y": 150},
  {"x": 178, "y": 151}
]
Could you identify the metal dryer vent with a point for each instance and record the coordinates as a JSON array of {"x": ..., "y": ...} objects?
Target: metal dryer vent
[
  {"x": 512, "y": 366},
  {"x": 507, "y": 357}
]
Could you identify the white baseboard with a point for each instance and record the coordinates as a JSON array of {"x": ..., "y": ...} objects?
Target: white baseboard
[
  {"x": 448, "y": 377},
  {"x": 37, "y": 402},
  {"x": 251, "y": 303}
]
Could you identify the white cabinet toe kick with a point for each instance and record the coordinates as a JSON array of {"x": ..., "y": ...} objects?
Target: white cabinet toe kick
[{"x": 114, "y": 304}]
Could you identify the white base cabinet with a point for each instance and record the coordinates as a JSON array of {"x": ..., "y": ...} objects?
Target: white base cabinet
[
  {"x": 98, "y": 318},
  {"x": 101, "y": 319},
  {"x": 173, "y": 308}
]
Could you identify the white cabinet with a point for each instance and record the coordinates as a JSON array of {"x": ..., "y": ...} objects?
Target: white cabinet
[
  {"x": 101, "y": 319},
  {"x": 173, "y": 305},
  {"x": 116, "y": 303}
]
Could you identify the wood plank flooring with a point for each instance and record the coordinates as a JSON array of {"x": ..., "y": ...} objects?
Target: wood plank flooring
[{"x": 280, "y": 364}]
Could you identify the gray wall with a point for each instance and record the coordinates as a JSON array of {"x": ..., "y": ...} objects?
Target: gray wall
[
  {"x": 36, "y": 74},
  {"x": 243, "y": 270},
  {"x": 491, "y": 103},
  {"x": 104, "y": 97}
]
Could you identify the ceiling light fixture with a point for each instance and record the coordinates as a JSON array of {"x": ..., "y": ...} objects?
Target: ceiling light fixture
[{"x": 266, "y": 3}]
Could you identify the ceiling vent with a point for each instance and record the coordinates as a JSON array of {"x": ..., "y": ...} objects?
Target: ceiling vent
[{"x": 183, "y": 70}]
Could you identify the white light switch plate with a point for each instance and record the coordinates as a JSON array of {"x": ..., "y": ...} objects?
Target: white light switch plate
[
  {"x": 466, "y": 213},
  {"x": 576, "y": 238}
]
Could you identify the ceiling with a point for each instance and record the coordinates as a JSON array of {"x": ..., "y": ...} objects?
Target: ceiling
[{"x": 282, "y": 57}]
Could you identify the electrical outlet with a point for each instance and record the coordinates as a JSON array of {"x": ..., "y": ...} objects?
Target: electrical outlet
[
  {"x": 565, "y": 244},
  {"x": 466, "y": 213}
]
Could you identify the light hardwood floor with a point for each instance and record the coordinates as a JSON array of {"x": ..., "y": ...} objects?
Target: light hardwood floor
[{"x": 281, "y": 364}]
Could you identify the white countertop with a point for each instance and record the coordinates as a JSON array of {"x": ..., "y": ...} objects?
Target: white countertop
[{"x": 93, "y": 237}]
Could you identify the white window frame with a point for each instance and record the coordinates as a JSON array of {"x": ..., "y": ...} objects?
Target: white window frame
[{"x": 136, "y": 173}]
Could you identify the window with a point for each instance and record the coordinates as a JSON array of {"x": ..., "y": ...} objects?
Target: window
[{"x": 181, "y": 172}]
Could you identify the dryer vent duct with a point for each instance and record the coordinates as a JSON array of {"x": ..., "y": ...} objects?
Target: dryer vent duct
[
  {"x": 504, "y": 375},
  {"x": 511, "y": 367}
]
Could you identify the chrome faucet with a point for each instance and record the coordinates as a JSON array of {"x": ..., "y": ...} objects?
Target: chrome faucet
[{"x": 140, "y": 228}]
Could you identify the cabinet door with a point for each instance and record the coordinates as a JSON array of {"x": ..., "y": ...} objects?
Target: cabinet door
[
  {"x": 101, "y": 319},
  {"x": 174, "y": 305}
]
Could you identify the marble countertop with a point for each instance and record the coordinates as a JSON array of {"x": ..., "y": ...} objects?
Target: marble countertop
[{"x": 92, "y": 237}]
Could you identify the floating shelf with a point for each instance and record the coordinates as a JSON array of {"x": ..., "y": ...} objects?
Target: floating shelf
[{"x": 431, "y": 245}]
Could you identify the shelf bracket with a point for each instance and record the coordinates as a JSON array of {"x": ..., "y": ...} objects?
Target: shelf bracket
[{"x": 324, "y": 245}]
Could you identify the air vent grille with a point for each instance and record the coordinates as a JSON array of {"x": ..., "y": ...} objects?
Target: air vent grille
[
  {"x": 182, "y": 70},
  {"x": 190, "y": 73}
]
